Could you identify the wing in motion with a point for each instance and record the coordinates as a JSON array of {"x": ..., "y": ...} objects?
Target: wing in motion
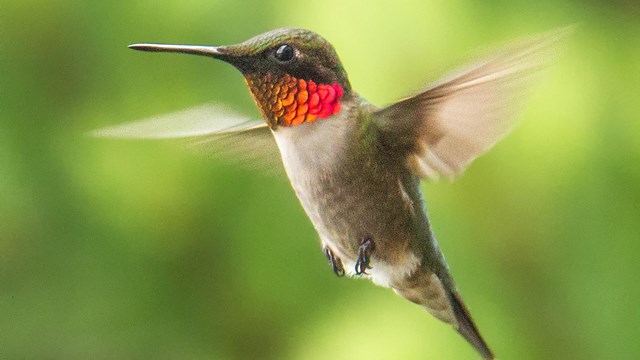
[
  {"x": 440, "y": 131},
  {"x": 206, "y": 129}
]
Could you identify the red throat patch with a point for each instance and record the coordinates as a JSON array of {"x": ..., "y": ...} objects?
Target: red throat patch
[{"x": 288, "y": 101}]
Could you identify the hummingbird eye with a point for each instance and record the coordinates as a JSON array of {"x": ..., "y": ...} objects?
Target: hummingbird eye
[{"x": 284, "y": 53}]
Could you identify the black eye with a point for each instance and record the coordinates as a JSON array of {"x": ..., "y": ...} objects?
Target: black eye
[{"x": 284, "y": 53}]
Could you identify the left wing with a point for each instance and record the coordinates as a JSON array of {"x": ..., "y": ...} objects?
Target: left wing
[
  {"x": 206, "y": 129},
  {"x": 440, "y": 131}
]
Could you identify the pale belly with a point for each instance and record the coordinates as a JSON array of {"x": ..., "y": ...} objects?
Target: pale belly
[{"x": 350, "y": 198}]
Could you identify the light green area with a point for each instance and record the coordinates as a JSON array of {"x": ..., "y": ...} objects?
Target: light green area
[{"x": 126, "y": 250}]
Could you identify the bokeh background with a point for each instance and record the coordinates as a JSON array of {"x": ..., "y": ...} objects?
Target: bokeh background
[{"x": 137, "y": 250}]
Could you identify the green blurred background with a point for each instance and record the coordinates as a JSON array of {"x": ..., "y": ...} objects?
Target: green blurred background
[{"x": 136, "y": 250}]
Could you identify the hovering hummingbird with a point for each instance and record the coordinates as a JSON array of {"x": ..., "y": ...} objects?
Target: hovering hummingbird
[{"x": 356, "y": 167}]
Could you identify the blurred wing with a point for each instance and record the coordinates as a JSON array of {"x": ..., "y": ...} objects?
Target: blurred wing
[
  {"x": 206, "y": 129},
  {"x": 440, "y": 131}
]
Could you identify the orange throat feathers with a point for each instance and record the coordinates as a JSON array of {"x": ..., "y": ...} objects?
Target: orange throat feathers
[{"x": 288, "y": 101}]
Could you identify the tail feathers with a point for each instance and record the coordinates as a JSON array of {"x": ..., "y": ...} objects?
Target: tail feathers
[
  {"x": 467, "y": 328},
  {"x": 425, "y": 288}
]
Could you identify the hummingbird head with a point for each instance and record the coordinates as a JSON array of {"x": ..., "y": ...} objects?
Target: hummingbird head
[{"x": 295, "y": 76}]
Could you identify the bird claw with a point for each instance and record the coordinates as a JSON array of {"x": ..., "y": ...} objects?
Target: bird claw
[
  {"x": 334, "y": 261},
  {"x": 364, "y": 253}
]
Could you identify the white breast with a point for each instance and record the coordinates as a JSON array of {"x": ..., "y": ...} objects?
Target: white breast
[{"x": 312, "y": 146}]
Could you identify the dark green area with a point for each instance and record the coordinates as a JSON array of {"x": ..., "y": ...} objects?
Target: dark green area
[{"x": 134, "y": 250}]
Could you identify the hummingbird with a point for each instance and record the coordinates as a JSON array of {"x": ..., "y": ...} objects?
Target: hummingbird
[{"x": 355, "y": 167}]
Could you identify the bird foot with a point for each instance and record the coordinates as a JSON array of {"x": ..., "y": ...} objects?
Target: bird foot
[
  {"x": 364, "y": 253},
  {"x": 334, "y": 261}
]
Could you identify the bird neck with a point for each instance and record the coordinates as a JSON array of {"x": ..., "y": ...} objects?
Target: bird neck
[{"x": 285, "y": 100}]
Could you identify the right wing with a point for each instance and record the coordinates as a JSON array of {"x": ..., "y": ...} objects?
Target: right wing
[
  {"x": 206, "y": 129},
  {"x": 441, "y": 130}
]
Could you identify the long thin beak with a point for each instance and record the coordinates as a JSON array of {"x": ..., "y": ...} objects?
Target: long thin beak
[{"x": 210, "y": 51}]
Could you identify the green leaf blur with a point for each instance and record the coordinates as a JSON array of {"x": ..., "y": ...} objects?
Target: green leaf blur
[{"x": 137, "y": 250}]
